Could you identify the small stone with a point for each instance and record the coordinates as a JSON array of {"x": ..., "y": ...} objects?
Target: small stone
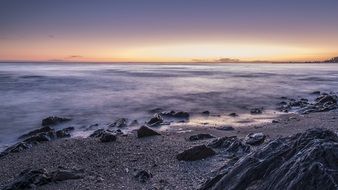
[
  {"x": 233, "y": 114},
  {"x": 146, "y": 132},
  {"x": 256, "y": 111},
  {"x": 142, "y": 175},
  {"x": 206, "y": 113}
]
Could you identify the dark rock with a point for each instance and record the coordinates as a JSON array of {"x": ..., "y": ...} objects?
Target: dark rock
[
  {"x": 53, "y": 120},
  {"x": 134, "y": 123},
  {"x": 41, "y": 137},
  {"x": 97, "y": 133},
  {"x": 119, "y": 123},
  {"x": 225, "y": 128},
  {"x": 175, "y": 115},
  {"x": 206, "y": 113},
  {"x": 200, "y": 137},
  {"x": 233, "y": 114},
  {"x": 231, "y": 145},
  {"x": 256, "y": 111},
  {"x": 315, "y": 93},
  {"x": 146, "y": 132},
  {"x": 107, "y": 137},
  {"x": 255, "y": 138},
  {"x": 155, "y": 121},
  {"x": 303, "y": 161},
  {"x": 35, "y": 132},
  {"x": 196, "y": 153},
  {"x": 142, "y": 175},
  {"x": 32, "y": 178},
  {"x": 16, "y": 148},
  {"x": 274, "y": 121},
  {"x": 63, "y": 133}
]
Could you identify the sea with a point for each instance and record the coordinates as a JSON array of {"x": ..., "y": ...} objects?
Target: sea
[{"x": 98, "y": 94}]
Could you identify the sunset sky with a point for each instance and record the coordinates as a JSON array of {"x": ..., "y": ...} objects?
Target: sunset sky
[{"x": 168, "y": 30}]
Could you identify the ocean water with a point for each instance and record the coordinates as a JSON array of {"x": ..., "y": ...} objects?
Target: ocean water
[{"x": 101, "y": 93}]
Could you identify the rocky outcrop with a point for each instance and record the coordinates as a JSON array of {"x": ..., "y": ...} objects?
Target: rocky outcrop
[
  {"x": 232, "y": 146},
  {"x": 53, "y": 120},
  {"x": 32, "y": 178},
  {"x": 303, "y": 161},
  {"x": 196, "y": 153},
  {"x": 200, "y": 137},
  {"x": 255, "y": 138},
  {"x": 146, "y": 132}
]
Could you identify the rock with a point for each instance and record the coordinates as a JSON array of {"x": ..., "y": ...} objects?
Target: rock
[
  {"x": 175, "y": 115},
  {"x": 146, "y": 132},
  {"x": 32, "y": 178},
  {"x": 231, "y": 145},
  {"x": 63, "y": 133},
  {"x": 53, "y": 120},
  {"x": 256, "y": 111},
  {"x": 107, "y": 137},
  {"x": 155, "y": 121},
  {"x": 134, "y": 123},
  {"x": 196, "y": 153},
  {"x": 255, "y": 138},
  {"x": 16, "y": 148},
  {"x": 303, "y": 161},
  {"x": 225, "y": 128},
  {"x": 97, "y": 133},
  {"x": 274, "y": 121},
  {"x": 315, "y": 93},
  {"x": 326, "y": 99},
  {"x": 233, "y": 115},
  {"x": 35, "y": 132},
  {"x": 41, "y": 137},
  {"x": 200, "y": 137},
  {"x": 119, "y": 123},
  {"x": 206, "y": 113},
  {"x": 142, "y": 175}
]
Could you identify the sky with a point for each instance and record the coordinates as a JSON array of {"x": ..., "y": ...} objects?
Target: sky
[{"x": 168, "y": 30}]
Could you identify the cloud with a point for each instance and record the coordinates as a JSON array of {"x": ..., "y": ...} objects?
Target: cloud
[{"x": 74, "y": 57}]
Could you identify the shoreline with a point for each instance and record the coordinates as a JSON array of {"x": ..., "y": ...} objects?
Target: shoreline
[{"x": 111, "y": 165}]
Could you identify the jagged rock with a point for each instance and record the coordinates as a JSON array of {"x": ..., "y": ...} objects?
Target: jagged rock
[
  {"x": 35, "y": 132},
  {"x": 97, "y": 133},
  {"x": 155, "y": 121},
  {"x": 303, "y": 161},
  {"x": 255, "y": 138},
  {"x": 31, "y": 178},
  {"x": 200, "y": 137},
  {"x": 53, "y": 120},
  {"x": 63, "y": 133},
  {"x": 256, "y": 111},
  {"x": 225, "y": 128},
  {"x": 196, "y": 153},
  {"x": 231, "y": 145},
  {"x": 119, "y": 123},
  {"x": 142, "y": 175},
  {"x": 233, "y": 114},
  {"x": 146, "y": 132},
  {"x": 107, "y": 137}
]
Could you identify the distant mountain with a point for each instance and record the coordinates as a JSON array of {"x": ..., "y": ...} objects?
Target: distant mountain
[{"x": 333, "y": 60}]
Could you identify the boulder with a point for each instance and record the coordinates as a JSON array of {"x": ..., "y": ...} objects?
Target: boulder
[
  {"x": 175, "y": 115},
  {"x": 303, "y": 161},
  {"x": 206, "y": 113},
  {"x": 225, "y": 128},
  {"x": 232, "y": 146},
  {"x": 53, "y": 120},
  {"x": 146, "y": 132},
  {"x": 255, "y": 138},
  {"x": 37, "y": 131},
  {"x": 200, "y": 137},
  {"x": 97, "y": 133},
  {"x": 107, "y": 137},
  {"x": 155, "y": 121},
  {"x": 256, "y": 111},
  {"x": 63, "y": 133},
  {"x": 196, "y": 153},
  {"x": 233, "y": 114},
  {"x": 119, "y": 123}
]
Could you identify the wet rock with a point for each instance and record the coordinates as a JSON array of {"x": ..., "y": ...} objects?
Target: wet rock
[
  {"x": 146, "y": 132},
  {"x": 119, "y": 123},
  {"x": 32, "y": 178},
  {"x": 53, "y": 120},
  {"x": 155, "y": 121},
  {"x": 37, "y": 131},
  {"x": 142, "y": 175},
  {"x": 233, "y": 115},
  {"x": 107, "y": 137},
  {"x": 231, "y": 145},
  {"x": 175, "y": 115},
  {"x": 303, "y": 161},
  {"x": 255, "y": 138},
  {"x": 196, "y": 153},
  {"x": 206, "y": 113},
  {"x": 225, "y": 128},
  {"x": 200, "y": 137},
  {"x": 41, "y": 137},
  {"x": 63, "y": 133},
  {"x": 97, "y": 133},
  {"x": 274, "y": 121},
  {"x": 315, "y": 93},
  {"x": 256, "y": 111},
  {"x": 16, "y": 148}
]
